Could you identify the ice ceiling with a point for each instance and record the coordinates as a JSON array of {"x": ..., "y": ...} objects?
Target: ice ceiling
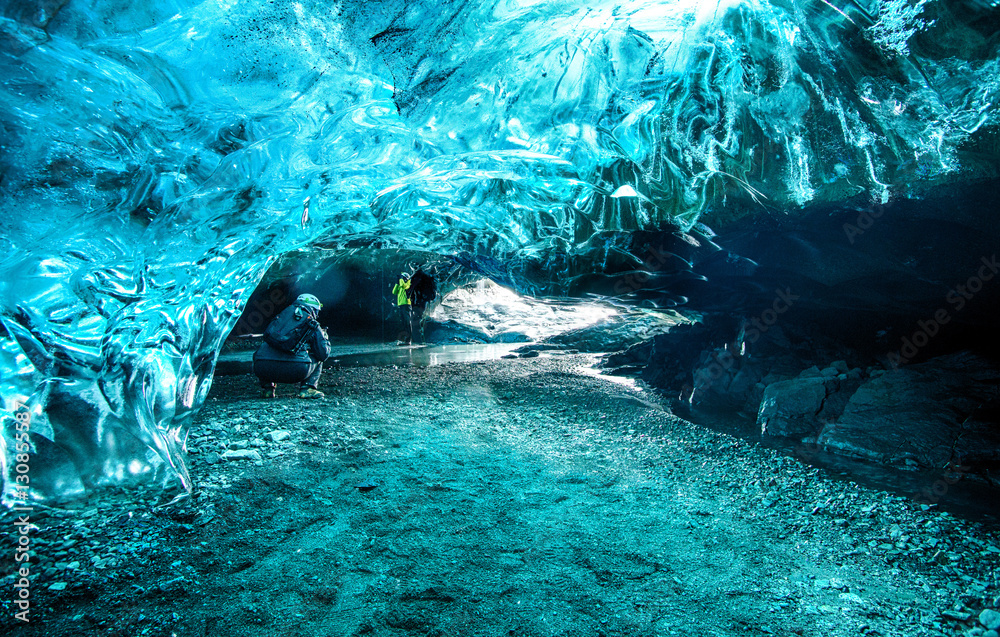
[{"x": 156, "y": 157}]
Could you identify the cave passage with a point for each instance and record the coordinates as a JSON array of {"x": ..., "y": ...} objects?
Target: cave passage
[{"x": 714, "y": 350}]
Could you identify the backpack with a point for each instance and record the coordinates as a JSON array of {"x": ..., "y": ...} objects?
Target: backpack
[
  {"x": 289, "y": 329},
  {"x": 422, "y": 288}
]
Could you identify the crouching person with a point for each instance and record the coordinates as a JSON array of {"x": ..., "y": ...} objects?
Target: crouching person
[{"x": 294, "y": 349}]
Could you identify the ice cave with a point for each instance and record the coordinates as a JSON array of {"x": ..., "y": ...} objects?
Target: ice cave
[{"x": 712, "y": 351}]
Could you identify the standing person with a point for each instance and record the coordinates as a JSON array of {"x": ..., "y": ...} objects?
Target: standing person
[
  {"x": 294, "y": 349},
  {"x": 422, "y": 291},
  {"x": 401, "y": 290}
]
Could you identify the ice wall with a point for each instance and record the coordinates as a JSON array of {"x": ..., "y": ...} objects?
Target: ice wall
[{"x": 156, "y": 157}]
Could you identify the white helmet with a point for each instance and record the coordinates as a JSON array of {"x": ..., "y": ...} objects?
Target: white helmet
[{"x": 309, "y": 301}]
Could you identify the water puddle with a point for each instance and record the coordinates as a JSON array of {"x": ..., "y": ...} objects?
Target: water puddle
[
  {"x": 374, "y": 354},
  {"x": 427, "y": 355},
  {"x": 595, "y": 371}
]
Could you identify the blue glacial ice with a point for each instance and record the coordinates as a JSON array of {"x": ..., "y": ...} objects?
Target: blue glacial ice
[{"x": 156, "y": 158}]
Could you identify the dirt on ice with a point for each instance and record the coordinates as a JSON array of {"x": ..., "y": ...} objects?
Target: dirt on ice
[{"x": 513, "y": 497}]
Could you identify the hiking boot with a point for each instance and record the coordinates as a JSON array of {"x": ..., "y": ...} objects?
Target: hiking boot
[
  {"x": 267, "y": 392},
  {"x": 309, "y": 392}
]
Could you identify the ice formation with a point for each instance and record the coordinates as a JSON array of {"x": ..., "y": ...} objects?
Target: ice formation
[{"x": 156, "y": 157}]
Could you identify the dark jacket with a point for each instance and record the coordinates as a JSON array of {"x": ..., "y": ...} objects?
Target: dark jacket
[
  {"x": 423, "y": 288},
  {"x": 300, "y": 320}
]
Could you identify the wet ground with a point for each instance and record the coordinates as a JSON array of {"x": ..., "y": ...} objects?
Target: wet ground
[
  {"x": 509, "y": 497},
  {"x": 371, "y": 354},
  {"x": 967, "y": 494}
]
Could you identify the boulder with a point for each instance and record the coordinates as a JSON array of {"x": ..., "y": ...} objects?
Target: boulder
[
  {"x": 803, "y": 406},
  {"x": 932, "y": 413},
  {"x": 450, "y": 331},
  {"x": 791, "y": 408},
  {"x": 617, "y": 332},
  {"x": 990, "y": 619},
  {"x": 243, "y": 454}
]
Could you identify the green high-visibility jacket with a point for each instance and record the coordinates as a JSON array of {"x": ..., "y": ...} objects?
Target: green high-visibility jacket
[{"x": 400, "y": 291}]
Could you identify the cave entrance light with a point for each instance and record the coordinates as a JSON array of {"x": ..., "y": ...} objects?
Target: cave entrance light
[{"x": 502, "y": 314}]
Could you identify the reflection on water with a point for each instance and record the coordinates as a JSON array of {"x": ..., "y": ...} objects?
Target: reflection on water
[
  {"x": 427, "y": 355},
  {"x": 597, "y": 372},
  {"x": 374, "y": 354}
]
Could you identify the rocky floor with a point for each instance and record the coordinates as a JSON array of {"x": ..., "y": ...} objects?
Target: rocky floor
[{"x": 516, "y": 497}]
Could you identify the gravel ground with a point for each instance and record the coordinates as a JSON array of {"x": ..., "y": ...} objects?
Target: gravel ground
[{"x": 516, "y": 497}]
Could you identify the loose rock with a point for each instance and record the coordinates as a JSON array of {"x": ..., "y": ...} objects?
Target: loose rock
[
  {"x": 990, "y": 619},
  {"x": 242, "y": 454}
]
